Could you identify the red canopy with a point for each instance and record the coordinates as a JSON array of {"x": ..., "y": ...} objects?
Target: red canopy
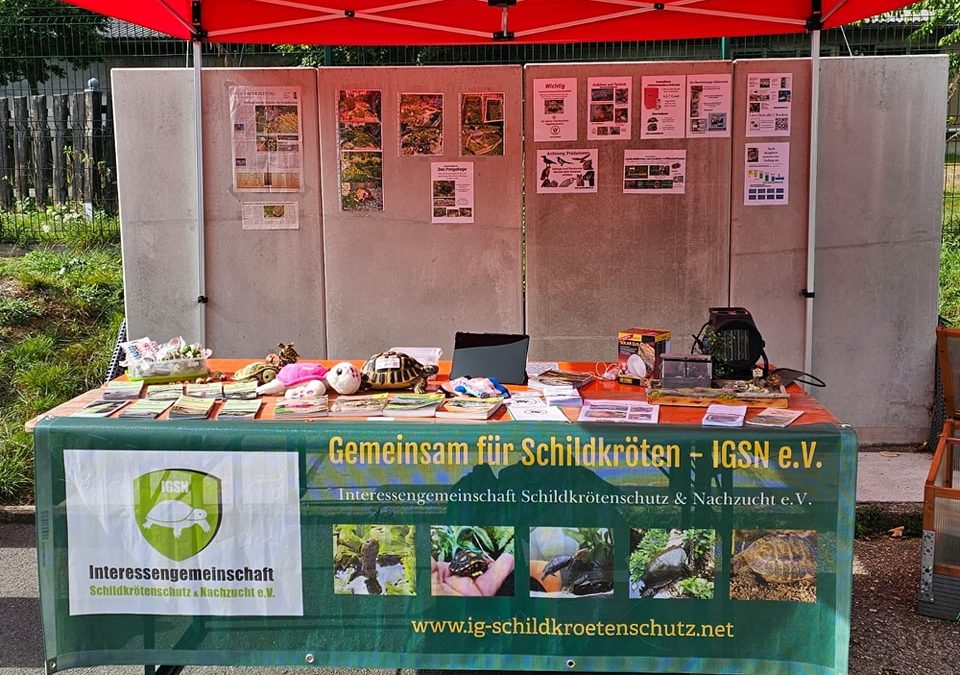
[{"x": 436, "y": 22}]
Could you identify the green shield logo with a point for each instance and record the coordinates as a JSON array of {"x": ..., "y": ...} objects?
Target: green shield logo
[{"x": 177, "y": 510}]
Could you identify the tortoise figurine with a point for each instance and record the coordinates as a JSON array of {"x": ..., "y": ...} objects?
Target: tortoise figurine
[
  {"x": 778, "y": 559},
  {"x": 261, "y": 371},
  {"x": 395, "y": 370}
]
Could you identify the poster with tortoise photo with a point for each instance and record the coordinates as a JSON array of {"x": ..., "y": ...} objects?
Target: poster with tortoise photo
[
  {"x": 360, "y": 149},
  {"x": 774, "y": 565},
  {"x": 374, "y": 560},
  {"x": 471, "y": 560}
]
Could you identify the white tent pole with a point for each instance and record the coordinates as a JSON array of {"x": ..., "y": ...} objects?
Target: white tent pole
[
  {"x": 812, "y": 199},
  {"x": 198, "y": 133}
]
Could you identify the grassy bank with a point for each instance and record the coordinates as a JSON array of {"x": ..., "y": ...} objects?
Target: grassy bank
[{"x": 60, "y": 310}]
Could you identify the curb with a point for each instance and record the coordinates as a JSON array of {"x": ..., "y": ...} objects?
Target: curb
[{"x": 18, "y": 514}]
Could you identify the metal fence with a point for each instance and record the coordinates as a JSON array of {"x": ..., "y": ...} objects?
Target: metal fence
[{"x": 57, "y": 166}]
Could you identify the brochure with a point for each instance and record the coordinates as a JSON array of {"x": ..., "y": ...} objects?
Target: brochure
[
  {"x": 245, "y": 390},
  {"x": 146, "y": 408},
  {"x": 558, "y": 378},
  {"x": 562, "y": 396},
  {"x": 412, "y": 405},
  {"x": 537, "y": 413},
  {"x": 164, "y": 392},
  {"x": 301, "y": 408},
  {"x": 100, "y": 408},
  {"x": 719, "y": 415},
  {"x": 122, "y": 390},
  {"x": 775, "y": 417},
  {"x": 524, "y": 399},
  {"x": 191, "y": 408},
  {"x": 359, "y": 406},
  {"x": 630, "y": 412},
  {"x": 469, "y": 408},
  {"x": 234, "y": 408},
  {"x": 211, "y": 390}
]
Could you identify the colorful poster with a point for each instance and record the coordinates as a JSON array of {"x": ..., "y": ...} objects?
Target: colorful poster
[
  {"x": 270, "y": 216},
  {"x": 566, "y": 171},
  {"x": 766, "y": 179},
  {"x": 709, "y": 102},
  {"x": 555, "y": 109},
  {"x": 266, "y": 139},
  {"x": 654, "y": 171},
  {"x": 663, "y": 110},
  {"x": 610, "y": 103},
  {"x": 421, "y": 124},
  {"x": 769, "y": 100},
  {"x": 481, "y": 124},
  {"x": 360, "y": 146},
  {"x": 451, "y": 192},
  {"x": 186, "y": 533}
]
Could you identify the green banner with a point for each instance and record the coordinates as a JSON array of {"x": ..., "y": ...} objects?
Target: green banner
[{"x": 426, "y": 545}]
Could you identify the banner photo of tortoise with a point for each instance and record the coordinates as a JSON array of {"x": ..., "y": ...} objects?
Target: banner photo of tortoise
[
  {"x": 374, "y": 560},
  {"x": 669, "y": 564},
  {"x": 471, "y": 560},
  {"x": 774, "y": 565},
  {"x": 571, "y": 562}
]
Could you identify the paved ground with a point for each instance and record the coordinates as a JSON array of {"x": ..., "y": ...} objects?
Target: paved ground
[{"x": 882, "y": 477}]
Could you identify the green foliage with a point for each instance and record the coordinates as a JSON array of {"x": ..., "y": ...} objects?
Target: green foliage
[
  {"x": 949, "y": 302},
  {"x": 18, "y": 311},
  {"x": 26, "y": 225},
  {"x": 652, "y": 543},
  {"x": 396, "y": 541},
  {"x": 696, "y": 587},
  {"x": 448, "y": 540},
  {"x": 597, "y": 541}
]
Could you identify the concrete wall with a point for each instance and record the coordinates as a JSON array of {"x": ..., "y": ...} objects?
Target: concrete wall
[
  {"x": 878, "y": 239},
  {"x": 601, "y": 262},
  {"x": 157, "y": 184},
  {"x": 395, "y": 279}
]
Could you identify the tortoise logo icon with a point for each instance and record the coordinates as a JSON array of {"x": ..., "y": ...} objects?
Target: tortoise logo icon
[{"x": 177, "y": 510}]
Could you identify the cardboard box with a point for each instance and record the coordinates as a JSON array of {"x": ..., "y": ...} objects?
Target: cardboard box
[{"x": 639, "y": 354}]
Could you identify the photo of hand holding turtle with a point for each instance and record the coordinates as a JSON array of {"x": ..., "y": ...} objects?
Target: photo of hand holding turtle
[{"x": 471, "y": 560}]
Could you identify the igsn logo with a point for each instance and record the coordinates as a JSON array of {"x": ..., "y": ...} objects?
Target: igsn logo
[{"x": 177, "y": 510}]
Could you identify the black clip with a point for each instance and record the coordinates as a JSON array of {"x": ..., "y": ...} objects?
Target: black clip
[
  {"x": 807, "y": 294},
  {"x": 202, "y": 299}
]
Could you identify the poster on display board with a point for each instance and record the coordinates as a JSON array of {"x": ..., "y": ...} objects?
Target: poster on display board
[
  {"x": 766, "y": 179},
  {"x": 709, "y": 102},
  {"x": 624, "y": 548},
  {"x": 654, "y": 171},
  {"x": 360, "y": 149},
  {"x": 451, "y": 192},
  {"x": 663, "y": 106},
  {"x": 566, "y": 171},
  {"x": 421, "y": 124},
  {"x": 266, "y": 139},
  {"x": 609, "y": 103},
  {"x": 270, "y": 216},
  {"x": 184, "y": 533},
  {"x": 769, "y": 104},
  {"x": 482, "y": 123},
  {"x": 555, "y": 109}
]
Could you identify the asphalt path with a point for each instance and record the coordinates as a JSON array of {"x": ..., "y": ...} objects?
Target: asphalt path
[{"x": 21, "y": 642}]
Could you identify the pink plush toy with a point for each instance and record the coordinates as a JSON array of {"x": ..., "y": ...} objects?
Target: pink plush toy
[{"x": 303, "y": 379}]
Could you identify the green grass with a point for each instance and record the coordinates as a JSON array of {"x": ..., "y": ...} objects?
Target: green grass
[
  {"x": 949, "y": 302},
  {"x": 58, "y": 325}
]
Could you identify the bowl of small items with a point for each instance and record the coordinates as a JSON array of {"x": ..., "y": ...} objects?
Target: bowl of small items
[{"x": 171, "y": 362}]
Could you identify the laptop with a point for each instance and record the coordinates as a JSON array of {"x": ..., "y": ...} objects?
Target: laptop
[{"x": 499, "y": 355}]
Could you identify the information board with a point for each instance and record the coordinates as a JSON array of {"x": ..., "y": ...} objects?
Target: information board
[{"x": 542, "y": 546}]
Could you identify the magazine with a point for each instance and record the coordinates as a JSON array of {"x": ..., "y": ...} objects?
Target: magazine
[
  {"x": 775, "y": 417},
  {"x": 99, "y": 408},
  {"x": 301, "y": 408},
  {"x": 164, "y": 392},
  {"x": 191, "y": 408},
  {"x": 537, "y": 413},
  {"x": 121, "y": 390},
  {"x": 719, "y": 415},
  {"x": 469, "y": 408},
  {"x": 412, "y": 405},
  {"x": 359, "y": 406},
  {"x": 212, "y": 390},
  {"x": 245, "y": 390},
  {"x": 146, "y": 408},
  {"x": 559, "y": 378},
  {"x": 630, "y": 412},
  {"x": 235, "y": 408}
]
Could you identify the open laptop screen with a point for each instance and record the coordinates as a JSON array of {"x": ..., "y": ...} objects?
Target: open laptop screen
[{"x": 499, "y": 355}]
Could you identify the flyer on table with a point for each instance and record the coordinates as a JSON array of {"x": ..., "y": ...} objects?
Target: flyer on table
[
  {"x": 766, "y": 180},
  {"x": 610, "y": 102},
  {"x": 654, "y": 171},
  {"x": 709, "y": 102},
  {"x": 186, "y": 533},
  {"x": 266, "y": 139},
  {"x": 562, "y": 171},
  {"x": 451, "y": 191},
  {"x": 769, "y": 100},
  {"x": 555, "y": 109},
  {"x": 663, "y": 108}
]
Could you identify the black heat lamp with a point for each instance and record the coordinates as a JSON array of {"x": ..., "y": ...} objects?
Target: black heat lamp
[{"x": 732, "y": 338}]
